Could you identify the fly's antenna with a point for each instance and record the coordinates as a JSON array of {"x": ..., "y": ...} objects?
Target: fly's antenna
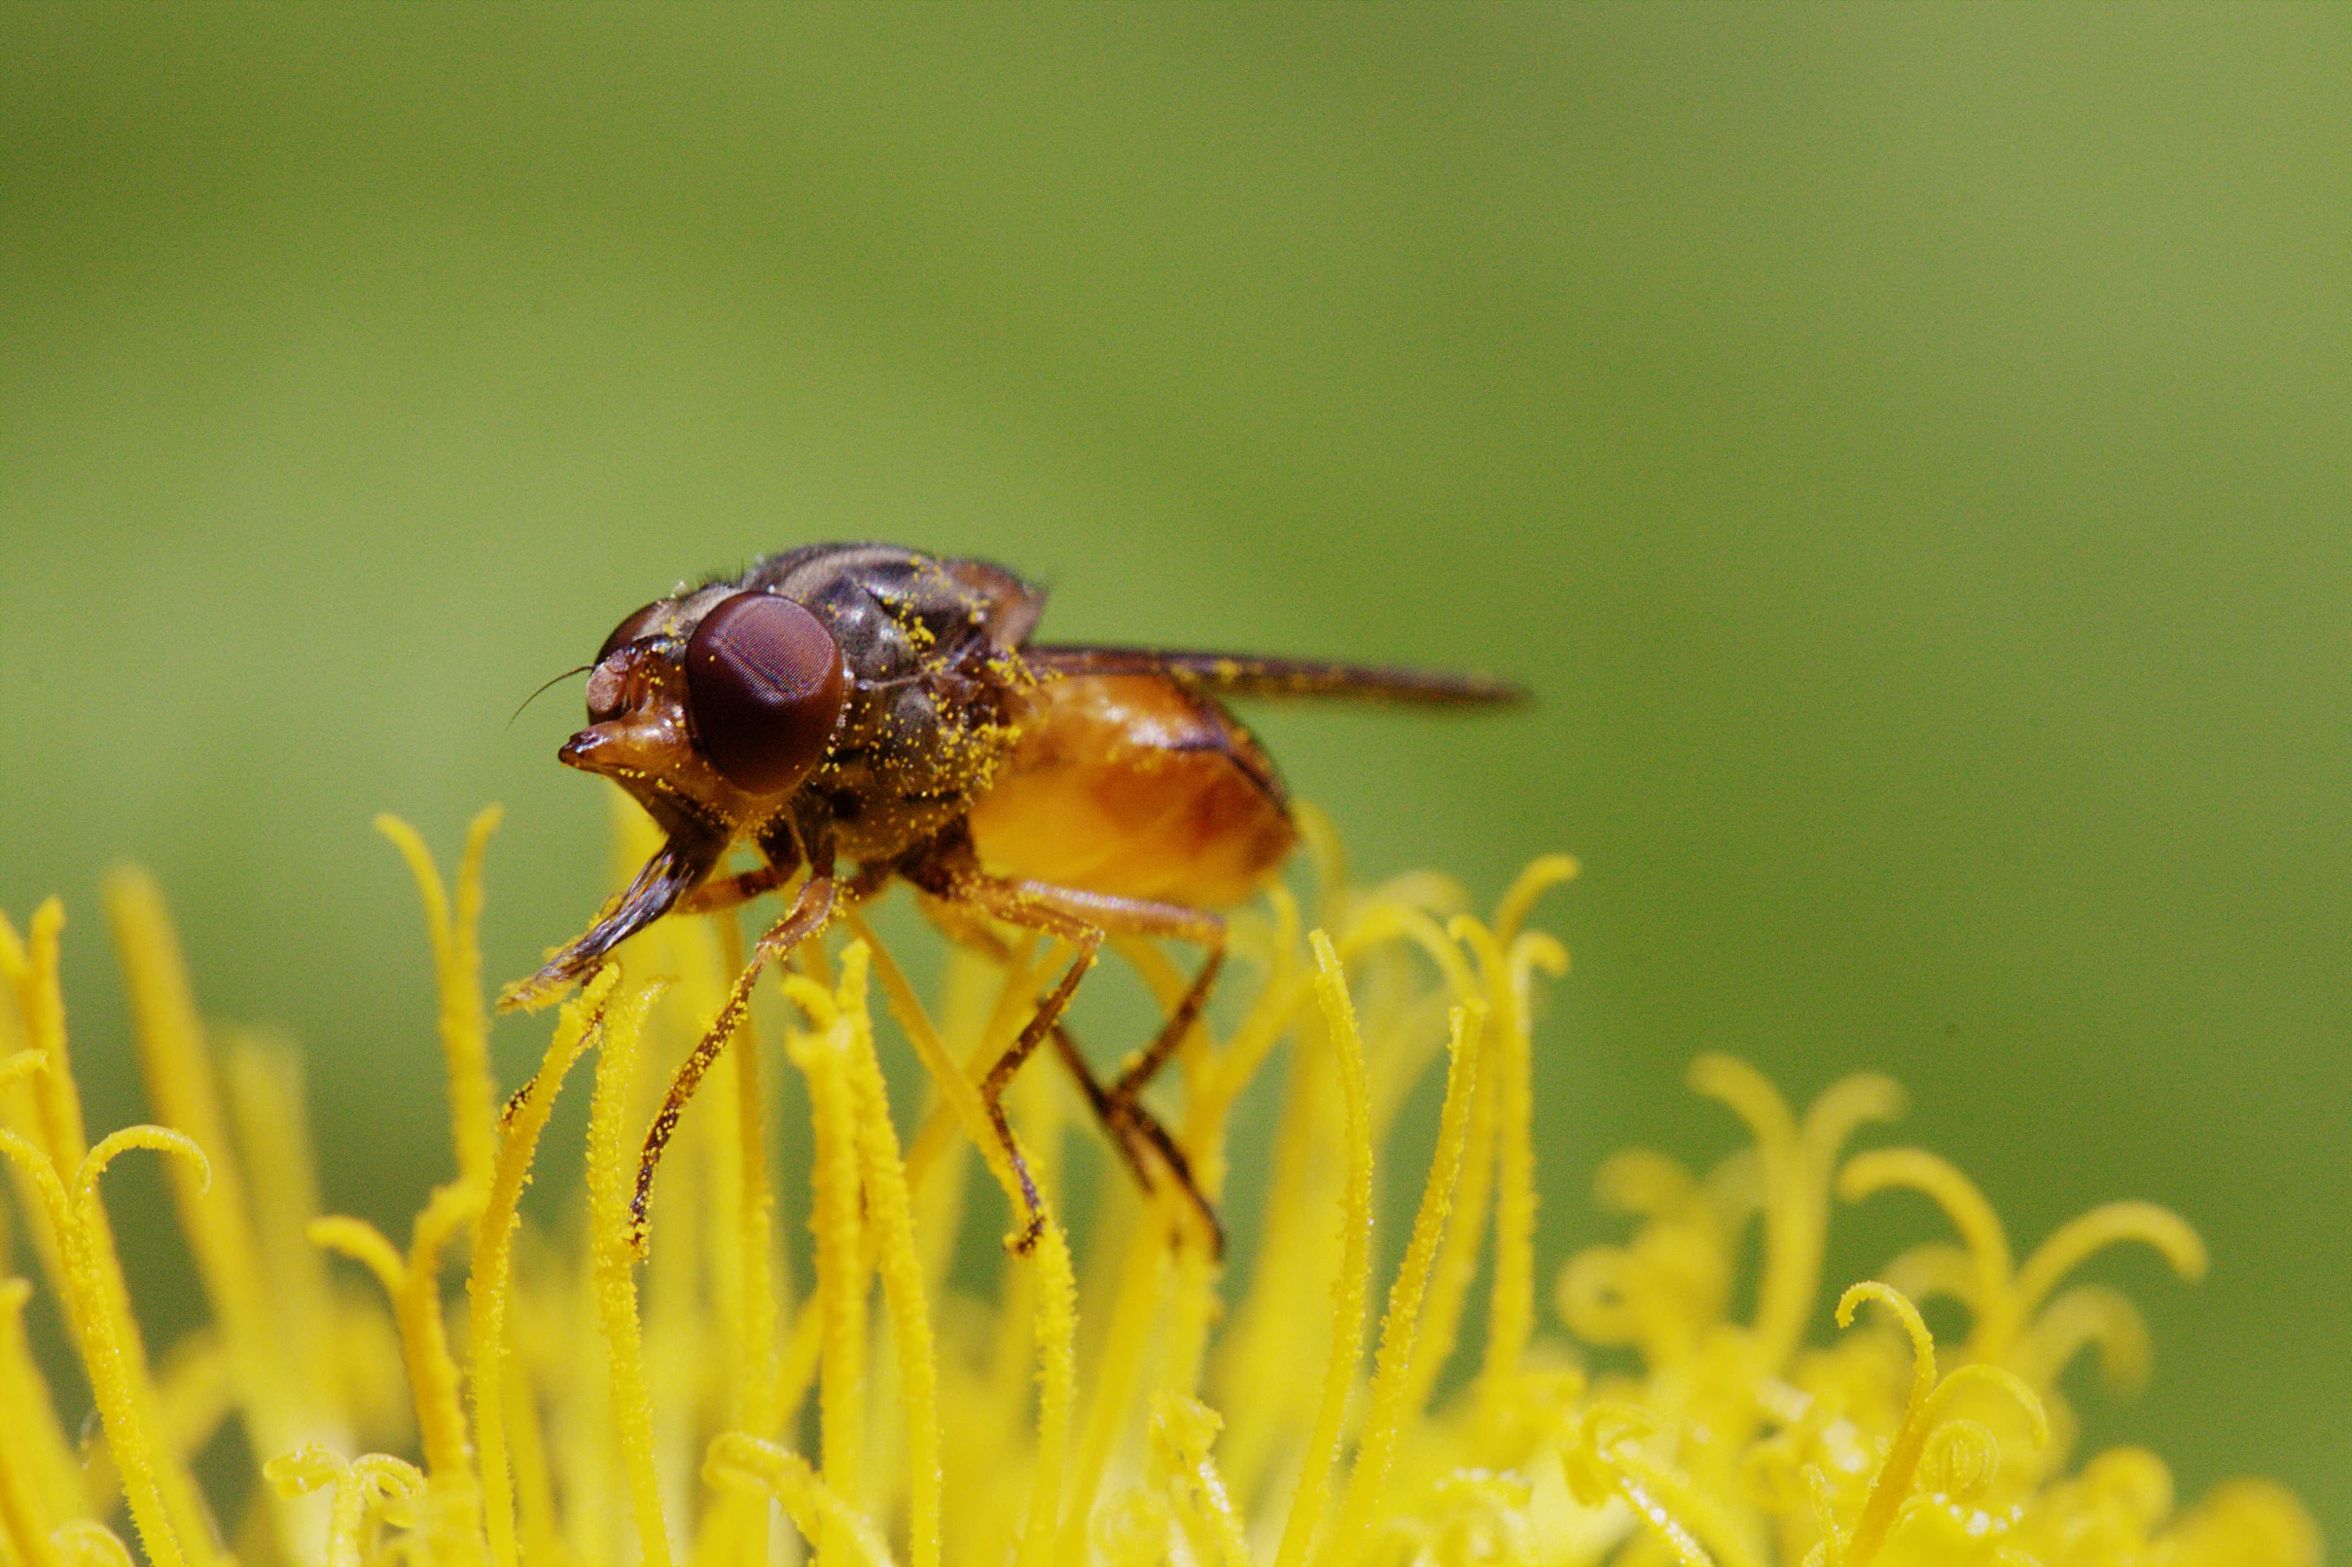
[{"x": 542, "y": 691}]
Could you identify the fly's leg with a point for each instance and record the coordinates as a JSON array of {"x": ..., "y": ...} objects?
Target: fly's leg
[
  {"x": 1123, "y": 1103},
  {"x": 961, "y": 927},
  {"x": 727, "y": 892},
  {"x": 1125, "y": 1092},
  {"x": 807, "y": 916},
  {"x": 1121, "y": 1106},
  {"x": 1098, "y": 1099},
  {"x": 1047, "y": 1019}
]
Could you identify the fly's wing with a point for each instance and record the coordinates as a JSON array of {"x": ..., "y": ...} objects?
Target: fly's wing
[{"x": 1253, "y": 674}]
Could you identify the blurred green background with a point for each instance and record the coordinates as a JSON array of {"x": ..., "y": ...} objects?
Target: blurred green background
[{"x": 1906, "y": 449}]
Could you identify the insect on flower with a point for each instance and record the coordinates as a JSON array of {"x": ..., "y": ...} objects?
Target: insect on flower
[{"x": 873, "y": 704}]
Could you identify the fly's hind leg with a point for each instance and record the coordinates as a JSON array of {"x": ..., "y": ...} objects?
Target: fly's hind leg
[
  {"x": 1098, "y": 1099},
  {"x": 1124, "y": 1107}
]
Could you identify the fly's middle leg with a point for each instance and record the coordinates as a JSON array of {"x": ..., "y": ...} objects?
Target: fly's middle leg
[
  {"x": 1120, "y": 1106},
  {"x": 1044, "y": 1022}
]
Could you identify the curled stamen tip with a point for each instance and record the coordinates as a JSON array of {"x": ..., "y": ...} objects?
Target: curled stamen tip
[{"x": 304, "y": 1470}]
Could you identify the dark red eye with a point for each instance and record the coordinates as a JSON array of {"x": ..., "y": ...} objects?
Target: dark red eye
[
  {"x": 627, "y": 631},
  {"x": 765, "y": 682}
]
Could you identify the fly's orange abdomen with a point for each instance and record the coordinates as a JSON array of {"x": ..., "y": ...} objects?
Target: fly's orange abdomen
[{"x": 1133, "y": 786}]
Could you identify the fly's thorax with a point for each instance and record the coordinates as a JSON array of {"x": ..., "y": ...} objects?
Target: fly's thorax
[
  {"x": 935, "y": 681},
  {"x": 915, "y": 752}
]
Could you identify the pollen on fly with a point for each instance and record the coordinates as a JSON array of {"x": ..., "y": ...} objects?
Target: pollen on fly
[{"x": 871, "y": 704}]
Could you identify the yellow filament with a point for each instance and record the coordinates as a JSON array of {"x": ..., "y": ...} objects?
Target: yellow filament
[
  {"x": 1981, "y": 1234},
  {"x": 1844, "y": 1107},
  {"x": 1511, "y": 1309},
  {"x": 487, "y": 1286},
  {"x": 796, "y": 1368},
  {"x": 440, "y": 1410},
  {"x": 1347, "y": 1336},
  {"x": 1457, "y": 1258},
  {"x": 891, "y": 1212},
  {"x": 959, "y": 1089},
  {"x": 30, "y": 967},
  {"x": 358, "y": 1488},
  {"x": 1684, "y": 1516},
  {"x": 413, "y": 1284},
  {"x": 36, "y": 1464},
  {"x": 536, "y": 1521},
  {"x": 1143, "y": 1293},
  {"x": 742, "y": 1251},
  {"x": 24, "y": 1510},
  {"x": 1269, "y": 1016},
  {"x": 1784, "y": 1294},
  {"x": 263, "y": 1083},
  {"x": 195, "y": 1390},
  {"x": 1893, "y": 1481},
  {"x": 1272, "y": 1338},
  {"x": 364, "y": 1244},
  {"x": 1392, "y": 1362},
  {"x": 1181, "y": 1430},
  {"x": 1542, "y": 874},
  {"x": 841, "y": 1275},
  {"x": 1057, "y": 1390},
  {"x": 1930, "y": 1269},
  {"x": 1380, "y": 920},
  {"x": 37, "y": 1030},
  {"x": 213, "y": 1209},
  {"x": 814, "y": 1507},
  {"x": 465, "y": 1028},
  {"x": 110, "y": 1351},
  {"x": 755, "y": 1303},
  {"x": 2085, "y": 1316},
  {"x": 1928, "y": 1399},
  {"x": 612, "y": 1169},
  {"x": 1117, "y": 1372},
  {"x": 2104, "y": 1226}
]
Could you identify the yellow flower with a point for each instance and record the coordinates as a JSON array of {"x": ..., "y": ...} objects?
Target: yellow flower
[{"x": 572, "y": 1407}]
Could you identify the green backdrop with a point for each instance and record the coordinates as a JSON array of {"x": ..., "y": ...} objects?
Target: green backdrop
[{"x": 1906, "y": 449}]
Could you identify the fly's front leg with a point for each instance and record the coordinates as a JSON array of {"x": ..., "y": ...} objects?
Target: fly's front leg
[
  {"x": 809, "y": 913},
  {"x": 721, "y": 893}
]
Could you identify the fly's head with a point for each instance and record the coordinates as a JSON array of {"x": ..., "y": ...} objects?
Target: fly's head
[{"x": 711, "y": 709}]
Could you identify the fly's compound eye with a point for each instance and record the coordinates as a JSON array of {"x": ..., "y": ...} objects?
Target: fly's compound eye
[
  {"x": 765, "y": 683},
  {"x": 627, "y": 632}
]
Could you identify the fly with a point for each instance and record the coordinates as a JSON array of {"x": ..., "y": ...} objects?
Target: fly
[{"x": 870, "y": 704}]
